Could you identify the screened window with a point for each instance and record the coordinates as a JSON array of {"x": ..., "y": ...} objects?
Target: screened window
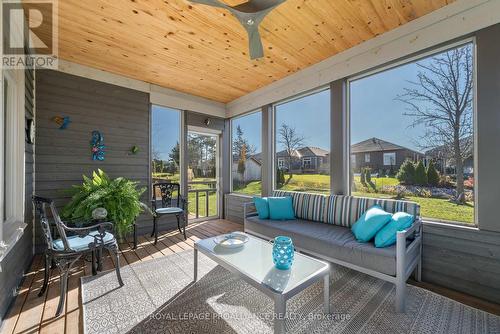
[
  {"x": 246, "y": 168},
  {"x": 165, "y": 150},
  {"x": 302, "y": 135},
  {"x": 426, "y": 124}
]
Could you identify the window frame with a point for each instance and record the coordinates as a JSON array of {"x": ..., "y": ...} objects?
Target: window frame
[
  {"x": 402, "y": 62},
  {"x": 231, "y": 189},
  {"x": 13, "y": 154},
  {"x": 367, "y": 157}
]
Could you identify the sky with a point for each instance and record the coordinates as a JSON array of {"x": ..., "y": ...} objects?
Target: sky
[
  {"x": 374, "y": 113},
  {"x": 165, "y": 130}
]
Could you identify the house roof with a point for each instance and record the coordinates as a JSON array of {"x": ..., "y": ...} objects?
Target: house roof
[
  {"x": 256, "y": 157},
  {"x": 307, "y": 151},
  {"x": 312, "y": 151},
  {"x": 202, "y": 50},
  {"x": 446, "y": 150},
  {"x": 376, "y": 145}
]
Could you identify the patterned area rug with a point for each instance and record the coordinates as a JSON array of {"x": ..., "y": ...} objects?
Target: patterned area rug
[{"x": 159, "y": 297}]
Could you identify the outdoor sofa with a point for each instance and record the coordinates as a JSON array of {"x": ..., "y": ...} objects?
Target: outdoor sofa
[{"x": 322, "y": 228}]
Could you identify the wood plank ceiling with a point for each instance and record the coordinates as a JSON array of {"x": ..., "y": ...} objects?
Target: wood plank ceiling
[{"x": 202, "y": 50}]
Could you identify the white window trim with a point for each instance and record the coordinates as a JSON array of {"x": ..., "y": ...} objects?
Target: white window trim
[
  {"x": 367, "y": 157},
  {"x": 12, "y": 229}
]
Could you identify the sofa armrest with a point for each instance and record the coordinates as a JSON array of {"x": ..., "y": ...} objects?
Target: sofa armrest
[
  {"x": 414, "y": 230},
  {"x": 249, "y": 210},
  {"x": 408, "y": 255}
]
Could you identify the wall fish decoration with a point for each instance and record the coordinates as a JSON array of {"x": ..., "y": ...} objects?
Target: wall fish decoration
[
  {"x": 97, "y": 146},
  {"x": 63, "y": 122}
]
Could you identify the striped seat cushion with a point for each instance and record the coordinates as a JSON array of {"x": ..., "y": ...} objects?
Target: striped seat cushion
[{"x": 339, "y": 209}]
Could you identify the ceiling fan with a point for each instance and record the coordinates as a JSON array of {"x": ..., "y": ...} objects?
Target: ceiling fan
[{"x": 250, "y": 14}]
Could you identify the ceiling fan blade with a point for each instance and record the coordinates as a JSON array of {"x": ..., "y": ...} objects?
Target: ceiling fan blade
[
  {"x": 255, "y": 43},
  {"x": 250, "y": 14}
]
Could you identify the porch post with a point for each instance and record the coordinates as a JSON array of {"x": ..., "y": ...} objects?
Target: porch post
[
  {"x": 267, "y": 150},
  {"x": 184, "y": 158},
  {"x": 339, "y": 138},
  {"x": 226, "y": 164}
]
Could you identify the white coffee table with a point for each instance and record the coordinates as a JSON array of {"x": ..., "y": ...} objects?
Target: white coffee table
[{"x": 254, "y": 264}]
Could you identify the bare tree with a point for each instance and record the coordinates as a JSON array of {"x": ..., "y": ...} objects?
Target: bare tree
[
  {"x": 292, "y": 141},
  {"x": 155, "y": 154},
  {"x": 441, "y": 99}
]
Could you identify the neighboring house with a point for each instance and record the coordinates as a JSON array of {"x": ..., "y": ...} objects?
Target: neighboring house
[
  {"x": 253, "y": 169},
  {"x": 379, "y": 154},
  {"x": 307, "y": 159},
  {"x": 443, "y": 157}
]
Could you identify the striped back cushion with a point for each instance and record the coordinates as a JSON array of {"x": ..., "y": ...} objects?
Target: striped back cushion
[
  {"x": 346, "y": 210},
  {"x": 341, "y": 210},
  {"x": 307, "y": 206}
]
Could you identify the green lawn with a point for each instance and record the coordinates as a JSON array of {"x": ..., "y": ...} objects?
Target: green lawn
[
  {"x": 212, "y": 197},
  {"x": 308, "y": 183},
  {"x": 432, "y": 208},
  {"x": 251, "y": 188}
]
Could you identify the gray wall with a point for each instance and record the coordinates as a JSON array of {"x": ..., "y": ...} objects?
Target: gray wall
[
  {"x": 62, "y": 156},
  {"x": 19, "y": 258},
  {"x": 463, "y": 259},
  {"x": 233, "y": 207}
]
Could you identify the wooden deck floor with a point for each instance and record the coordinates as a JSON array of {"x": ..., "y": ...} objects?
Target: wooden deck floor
[{"x": 33, "y": 314}]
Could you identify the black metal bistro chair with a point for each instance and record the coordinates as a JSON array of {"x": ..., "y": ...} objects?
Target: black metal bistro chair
[
  {"x": 71, "y": 245},
  {"x": 172, "y": 203}
]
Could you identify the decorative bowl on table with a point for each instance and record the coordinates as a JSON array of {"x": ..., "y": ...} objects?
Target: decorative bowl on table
[{"x": 231, "y": 240}]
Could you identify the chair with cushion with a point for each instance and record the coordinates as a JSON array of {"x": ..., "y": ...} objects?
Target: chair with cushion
[
  {"x": 71, "y": 245},
  {"x": 172, "y": 203}
]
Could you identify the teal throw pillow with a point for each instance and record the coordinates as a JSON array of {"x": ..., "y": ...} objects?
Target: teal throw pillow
[
  {"x": 281, "y": 208},
  {"x": 400, "y": 221},
  {"x": 262, "y": 207},
  {"x": 370, "y": 223}
]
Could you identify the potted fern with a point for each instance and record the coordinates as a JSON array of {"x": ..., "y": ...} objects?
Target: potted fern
[{"x": 120, "y": 197}]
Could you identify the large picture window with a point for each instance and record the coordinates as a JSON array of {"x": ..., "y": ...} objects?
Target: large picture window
[
  {"x": 165, "y": 150},
  {"x": 302, "y": 135},
  {"x": 416, "y": 123},
  {"x": 246, "y": 167}
]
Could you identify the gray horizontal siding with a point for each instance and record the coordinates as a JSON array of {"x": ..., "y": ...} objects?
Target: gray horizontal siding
[
  {"x": 63, "y": 156},
  {"x": 233, "y": 207},
  {"x": 462, "y": 259}
]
